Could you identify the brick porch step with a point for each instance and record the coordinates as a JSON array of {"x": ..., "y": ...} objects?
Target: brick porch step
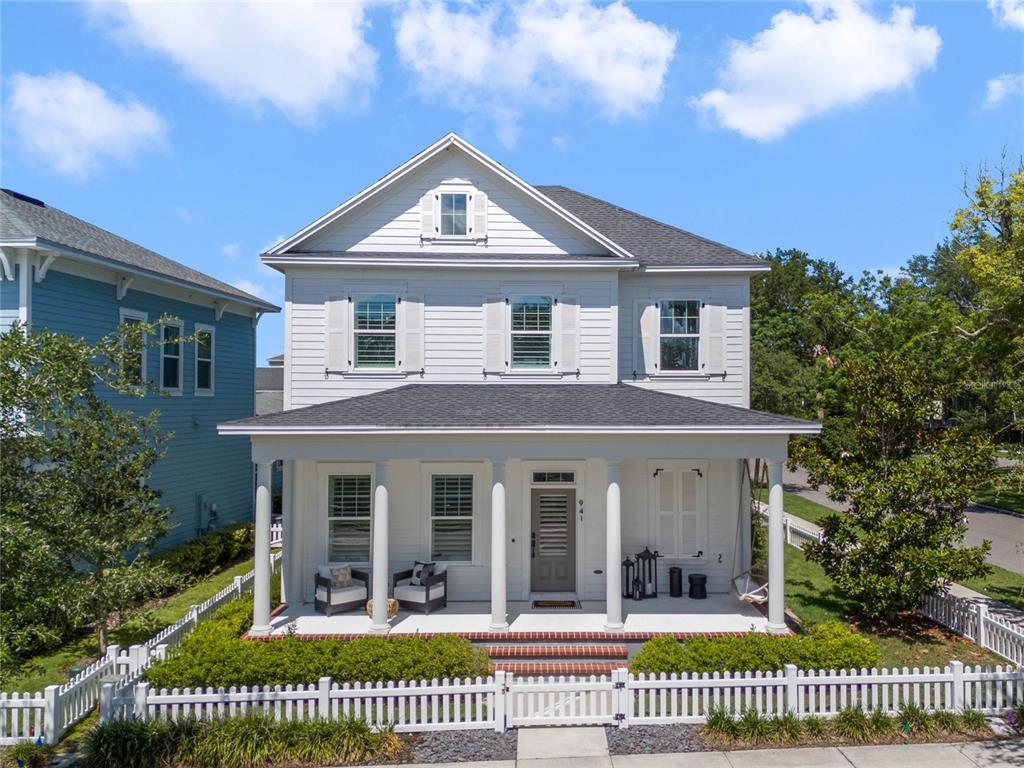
[
  {"x": 560, "y": 651},
  {"x": 527, "y": 668}
]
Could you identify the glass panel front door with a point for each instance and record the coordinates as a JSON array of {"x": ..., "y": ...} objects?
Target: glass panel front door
[{"x": 553, "y": 540}]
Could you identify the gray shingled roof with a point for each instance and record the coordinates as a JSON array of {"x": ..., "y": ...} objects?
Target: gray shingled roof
[
  {"x": 522, "y": 405},
  {"x": 269, "y": 379},
  {"x": 23, "y": 217},
  {"x": 653, "y": 243}
]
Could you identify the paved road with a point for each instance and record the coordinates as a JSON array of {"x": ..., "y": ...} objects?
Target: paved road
[{"x": 1006, "y": 532}]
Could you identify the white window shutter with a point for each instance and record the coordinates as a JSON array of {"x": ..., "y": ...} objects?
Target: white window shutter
[
  {"x": 569, "y": 321},
  {"x": 428, "y": 215},
  {"x": 494, "y": 335},
  {"x": 479, "y": 214},
  {"x": 713, "y": 339},
  {"x": 338, "y": 355},
  {"x": 647, "y": 319},
  {"x": 412, "y": 334}
]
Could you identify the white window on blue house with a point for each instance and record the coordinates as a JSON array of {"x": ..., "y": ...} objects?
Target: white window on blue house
[
  {"x": 531, "y": 332},
  {"x": 204, "y": 347},
  {"x": 348, "y": 518},
  {"x": 375, "y": 332},
  {"x": 679, "y": 333},
  {"x": 133, "y": 348},
  {"x": 170, "y": 357},
  {"x": 451, "y": 518},
  {"x": 453, "y": 214}
]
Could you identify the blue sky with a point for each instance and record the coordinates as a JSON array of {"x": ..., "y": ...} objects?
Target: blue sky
[{"x": 207, "y": 132}]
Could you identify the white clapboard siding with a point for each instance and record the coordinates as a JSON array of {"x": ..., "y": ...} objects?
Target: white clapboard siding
[
  {"x": 396, "y": 220},
  {"x": 725, "y": 335}
]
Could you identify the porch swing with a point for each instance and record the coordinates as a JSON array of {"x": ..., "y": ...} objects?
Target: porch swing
[{"x": 746, "y": 587}]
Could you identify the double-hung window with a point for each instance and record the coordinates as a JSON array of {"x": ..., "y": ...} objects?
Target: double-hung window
[
  {"x": 679, "y": 335},
  {"x": 531, "y": 331},
  {"x": 348, "y": 518},
  {"x": 204, "y": 359},
  {"x": 170, "y": 358},
  {"x": 451, "y": 518},
  {"x": 133, "y": 348},
  {"x": 453, "y": 214},
  {"x": 375, "y": 332}
]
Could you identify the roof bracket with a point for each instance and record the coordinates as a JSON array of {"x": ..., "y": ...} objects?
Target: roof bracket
[
  {"x": 124, "y": 282},
  {"x": 5, "y": 263},
  {"x": 218, "y": 309},
  {"x": 43, "y": 268}
]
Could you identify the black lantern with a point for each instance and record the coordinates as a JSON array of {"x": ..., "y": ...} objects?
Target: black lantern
[
  {"x": 628, "y": 574},
  {"x": 647, "y": 571},
  {"x": 638, "y": 589}
]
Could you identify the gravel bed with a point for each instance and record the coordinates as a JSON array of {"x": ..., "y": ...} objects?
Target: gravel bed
[
  {"x": 652, "y": 739},
  {"x": 463, "y": 746}
]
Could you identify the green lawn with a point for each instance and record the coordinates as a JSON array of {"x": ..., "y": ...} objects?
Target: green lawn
[
  {"x": 811, "y": 595},
  {"x": 1001, "y": 584},
  {"x": 48, "y": 670},
  {"x": 1006, "y": 498},
  {"x": 809, "y": 510}
]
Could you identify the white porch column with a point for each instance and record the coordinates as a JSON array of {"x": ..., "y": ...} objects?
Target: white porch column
[
  {"x": 288, "y": 535},
  {"x": 261, "y": 582},
  {"x": 776, "y": 551},
  {"x": 613, "y": 551},
  {"x": 381, "y": 574},
  {"x": 499, "y": 581}
]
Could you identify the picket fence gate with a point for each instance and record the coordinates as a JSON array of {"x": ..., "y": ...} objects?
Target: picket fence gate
[
  {"x": 503, "y": 700},
  {"x": 49, "y": 714}
]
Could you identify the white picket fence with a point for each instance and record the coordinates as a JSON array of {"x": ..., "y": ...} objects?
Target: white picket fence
[
  {"x": 27, "y": 716},
  {"x": 276, "y": 535},
  {"x": 504, "y": 701},
  {"x": 974, "y": 621}
]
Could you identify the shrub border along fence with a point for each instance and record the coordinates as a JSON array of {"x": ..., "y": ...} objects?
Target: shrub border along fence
[
  {"x": 49, "y": 714},
  {"x": 623, "y": 699},
  {"x": 966, "y": 617}
]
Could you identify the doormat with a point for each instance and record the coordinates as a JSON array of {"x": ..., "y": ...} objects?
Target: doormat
[{"x": 574, "y": 604}]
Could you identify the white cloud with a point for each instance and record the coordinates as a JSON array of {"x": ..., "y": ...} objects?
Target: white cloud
[
  {"x": 999, "y": 88},
  {"x": 263, "y": 281},
  {"x": 806, "y": 64},
  {"x": 255, "y": 289},
  {"x": 231, "y": 250},
  {"x": 297, "y": 57},
  {"x": 1009, "y": 13},
  {"x": 74, "y": 124},
  {"x": 503, "y": 60}
]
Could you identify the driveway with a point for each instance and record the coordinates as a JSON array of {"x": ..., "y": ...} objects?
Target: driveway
[{"x": 1005, "y": 531}]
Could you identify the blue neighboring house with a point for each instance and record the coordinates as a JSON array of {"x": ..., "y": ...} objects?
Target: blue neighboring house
[{"x": 66, "y": 275}]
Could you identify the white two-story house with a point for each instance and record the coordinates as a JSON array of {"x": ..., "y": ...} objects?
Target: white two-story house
[{"x": 523, "y": 385}]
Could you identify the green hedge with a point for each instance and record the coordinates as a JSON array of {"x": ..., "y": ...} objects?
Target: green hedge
[
  {"x": 830, "y": 645},
  {"x": 244, "y": 742},
  {"x": 208, "y": 553},
  {"x": 215, "y": 655}
]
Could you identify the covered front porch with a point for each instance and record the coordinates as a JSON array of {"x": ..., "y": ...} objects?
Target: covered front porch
[
  {"x": 718, "y": 614},
  {"x": 519, "y": 494}
]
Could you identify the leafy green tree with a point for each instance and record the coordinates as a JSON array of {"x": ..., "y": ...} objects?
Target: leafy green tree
[
  {"x": 793, "y": 311},
  {"x": 906, "y": 487},
  {"x": 76, "y": 512}
]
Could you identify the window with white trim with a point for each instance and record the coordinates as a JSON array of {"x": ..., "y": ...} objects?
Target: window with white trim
[
  {"x": 530, "y": 330},
  {"x": 348, "y": 518},
  {"x": 451, "y": 518},
  {"x": 170, "y": 358},
  {"x": 375, "y": 332},
  {"x": 679, "y": 335},
  {"x": 453, "y": 214},
  {"x": 204, "y": 342},
  {"x": 133, "y": 349}
]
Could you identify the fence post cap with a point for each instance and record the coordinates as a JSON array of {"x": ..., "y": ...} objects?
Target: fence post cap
[{"x": 956, "y": 664}]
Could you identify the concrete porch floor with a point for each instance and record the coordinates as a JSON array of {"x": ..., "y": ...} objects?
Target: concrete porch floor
[{"x": 662, "y": 615}]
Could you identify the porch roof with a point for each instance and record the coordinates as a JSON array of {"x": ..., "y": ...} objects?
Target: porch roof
[{"x": 548, "y": 408}]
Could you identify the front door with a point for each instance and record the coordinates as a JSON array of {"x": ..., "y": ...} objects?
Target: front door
[{"x": 553, "y": 540}]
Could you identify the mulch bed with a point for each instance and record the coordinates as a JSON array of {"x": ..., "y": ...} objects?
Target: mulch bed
[
  {"x": 652, "y": 739},
  {"x": 460, "y": 746}
]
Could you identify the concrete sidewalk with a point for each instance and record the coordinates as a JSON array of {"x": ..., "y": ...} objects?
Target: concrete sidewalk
[{"x": 588, "y": 748}]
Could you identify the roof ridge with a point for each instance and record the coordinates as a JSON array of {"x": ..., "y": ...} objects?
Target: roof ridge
[{"x": 631, "y": 212}]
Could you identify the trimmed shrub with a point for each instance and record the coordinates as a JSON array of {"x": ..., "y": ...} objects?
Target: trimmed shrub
[
  {"x": 215, "y": 655},
  {"x": 208, "y": 553},
  {"x": 252, "y": 741},
  {"x": 830, "y": 645}
]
